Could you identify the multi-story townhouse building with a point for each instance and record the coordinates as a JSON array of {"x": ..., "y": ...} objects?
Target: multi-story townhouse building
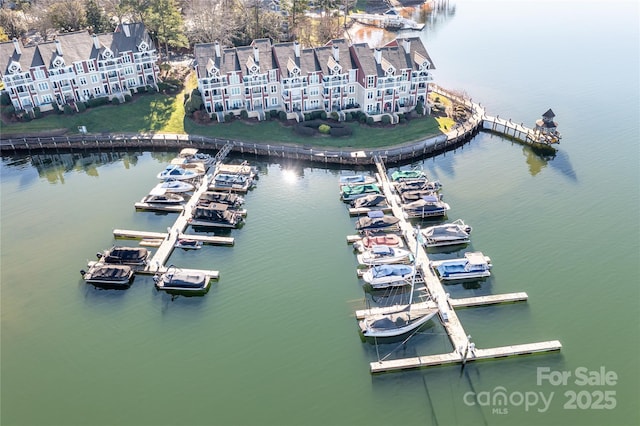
[
  {"x": 78, "y": 66},
  {"x": 336, "y": 77}
]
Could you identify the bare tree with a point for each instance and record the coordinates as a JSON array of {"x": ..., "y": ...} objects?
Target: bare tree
[{"x": 211, "y": 20}]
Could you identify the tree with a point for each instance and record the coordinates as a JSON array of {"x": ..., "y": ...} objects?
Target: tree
[
  {"x": 212, "y": 20},
  {"x": 13, "y": 22},
  {"x": 3, "y": 35},
  {"x": 96, "y": 18},
  {"x": 166, "y": 24},
  {"x": 68, "y": 15},
  {"x": 296, "y": 10}
]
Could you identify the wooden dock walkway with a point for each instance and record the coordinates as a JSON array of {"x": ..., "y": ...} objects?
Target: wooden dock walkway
[
  {"x": 456, "y": 357},
  {"x": 463, "y": 349},
  {"x": 207, "y": 239}
]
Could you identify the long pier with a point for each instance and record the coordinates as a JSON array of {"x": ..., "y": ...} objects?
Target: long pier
[{"x": 463, "y": 349}]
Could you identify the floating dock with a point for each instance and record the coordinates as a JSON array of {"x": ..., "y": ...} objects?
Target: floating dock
[
  {"x": 464, "y": 349},
  {"x": 145, "y": 235}
]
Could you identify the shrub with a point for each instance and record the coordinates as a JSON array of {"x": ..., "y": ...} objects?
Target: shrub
[
  {"x": 127, "y": 98},
  {"x": 68, "y": 110},
  {"x": 370, "y": 120},
  {"x": 26, "y": 117},
  {"x": 143, "y": 89},
  {"x": 307, "y": 116},
  {"x": 5, "y": 99},
  {"x": 316, "y": 115},
  {"x": 334, "y": 115},
  {"x": 362, "y": 118},
  {"x": 386, "y": 119},
  {"x": 229, "y": 117},
  {"x": 244, "y": 114},
  {"x": 324, "y": 128},
  {"x": 115, "y": 101},
  {"x": 341, "y": 131},
  {"x": 348, "y": 116},
  {"x": 8, "y": 110},
  {"x": 56, "y": 107},
  {"x": 274, "y": 113},
  {"x": 419, "y": 108},
  {"x": 151, "y": 89},
  {"x": 304, "y": 130},
  {"x": 82, "y": 107},
  {"x": 37, "y": 113},
  {"x": 282, "y": 116},
  {"x": 323, "y": 115},
  {"x": 93, "y": 102}
]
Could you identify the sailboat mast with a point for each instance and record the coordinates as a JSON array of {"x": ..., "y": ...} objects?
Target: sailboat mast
[{"x": 415, "y": 266}]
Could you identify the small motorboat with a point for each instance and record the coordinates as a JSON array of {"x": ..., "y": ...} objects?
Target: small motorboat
[
  {"x": 371, "y": 200},
  {"x": 400, "y": 175},
  {"x": 351, "y": 192},
  {"x": 175, "y": 186},
  {"x": 188, "y": 244},
  {"x": 379, "y": 255},
  {"x": 428, "y": 206},
  {"x": 392, "y": 275},
  {"x": 191, "y": 155},
  {"x": 356, "y": 180},
  {"x": 473, "y": 265},
  {"x": 448, "y": 234},
  {"x": 161, "y": 196},
  {"x": 108, "y": 275},
  {"x": 367, "y": 242},
  {"x": 121, "y": 255},
  {"x": 417, "y": 185},
  {"x": 176, "y": 172},
  {"x": 376, "y": 220},
  {"x": 177, "y": 280}
]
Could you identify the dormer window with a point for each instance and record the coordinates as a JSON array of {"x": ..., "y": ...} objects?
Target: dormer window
[
  {"x": 14, "y": 68},
  {"x": 422, "y": 62},
  {"x": 58, "y": 62},
  {"x": 292, "y": 68},
  {"x": 212, "y": 70},
  {"x": 389, "y": 69},
  {"x": 107, "y": 54},
  {"x": 334, "y": 67},
  {"x": 143, "y": 46}
]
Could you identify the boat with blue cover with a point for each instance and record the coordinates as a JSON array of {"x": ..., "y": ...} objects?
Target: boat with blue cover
[
  {"x": 473, "y": 265},
  {"x": 392, "y": 275}
]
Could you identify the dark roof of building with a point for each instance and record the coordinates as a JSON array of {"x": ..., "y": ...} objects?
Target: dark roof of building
[{"x": 548, "y": 114}]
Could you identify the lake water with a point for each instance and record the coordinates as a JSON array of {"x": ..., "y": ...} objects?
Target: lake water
[{"x": 275, "y": 342}]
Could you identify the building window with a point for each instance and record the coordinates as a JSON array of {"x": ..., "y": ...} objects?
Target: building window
[
  {"x": 274, "y": 101},
  {"x": 83, "y": 81},
  {"x": 79, "y": 68},
  {"x": 43, "y": 86},
  {"x": 91, "y": 66},
  {"x": 46, "y": 99},
  {"x": 352, "y": 89},
  {"x": 370, "y": 81},
  {"x": 39, "y": 74},
  {"x": 96, "y": 90},
  {"x": 370, "y": 94},
  {"x": 274, "y": 88},
  {"x": 94, "y": 78}
]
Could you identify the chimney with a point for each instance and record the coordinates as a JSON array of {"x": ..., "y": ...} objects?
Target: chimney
[
  {"x": 96, "y": 42},
  {"x": 378, "y": 55},
  {"x": 216, "y": 46},
  {"x": 406, "y": 43},
  {"x": 58, "y": 47},
  {"x": 16, "y": 45},
  {"x": 125, "y": 29},
  {"x": 336, "y": 53},
  {"x": 296, "y": 48},
  {"x": 256, "y": 54}
]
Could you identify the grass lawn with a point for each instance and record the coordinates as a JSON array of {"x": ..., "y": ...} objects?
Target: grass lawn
[{"x": 165, "y": 114}]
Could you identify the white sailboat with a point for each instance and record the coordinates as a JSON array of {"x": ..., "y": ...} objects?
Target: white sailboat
[{"x": 395, "y": 322}]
